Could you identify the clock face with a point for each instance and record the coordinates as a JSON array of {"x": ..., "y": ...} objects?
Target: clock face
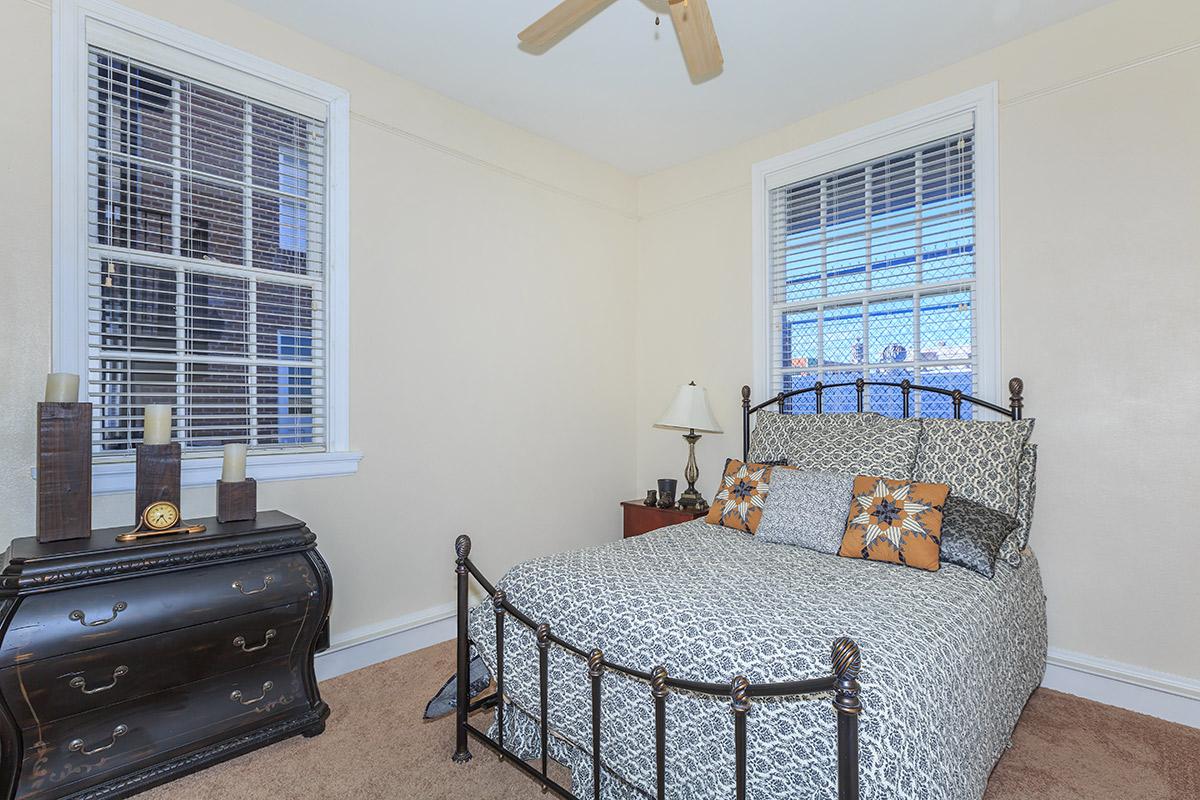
[{"x": 161, "y": 515}]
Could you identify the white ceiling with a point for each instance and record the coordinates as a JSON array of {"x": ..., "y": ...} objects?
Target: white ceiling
[{"x": 616, "y": 88}]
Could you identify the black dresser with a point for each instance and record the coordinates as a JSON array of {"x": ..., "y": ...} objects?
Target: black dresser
[{"x": 123, "y": 666}]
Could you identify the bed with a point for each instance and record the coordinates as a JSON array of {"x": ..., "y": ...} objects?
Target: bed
[{"x": 670, "y": 632}]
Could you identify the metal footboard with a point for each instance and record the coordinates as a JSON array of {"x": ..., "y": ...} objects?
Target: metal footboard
[{"x": 842, "y": 682}]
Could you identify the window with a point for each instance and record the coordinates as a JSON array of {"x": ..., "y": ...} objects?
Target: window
[
  {"x": 210, "y": 274},
  {"x": 873, "y": 267}
]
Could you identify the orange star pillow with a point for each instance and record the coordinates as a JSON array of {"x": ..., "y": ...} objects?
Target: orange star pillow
[
  {"x": 743, "y": 493},
  {"x": 895, "y": 521}
]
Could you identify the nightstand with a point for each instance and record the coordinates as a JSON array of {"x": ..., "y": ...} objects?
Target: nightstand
[{"x": 641, "y": 518}]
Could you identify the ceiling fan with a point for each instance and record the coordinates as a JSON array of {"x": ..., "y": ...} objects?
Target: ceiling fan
[{"x": 693, "y": 26}]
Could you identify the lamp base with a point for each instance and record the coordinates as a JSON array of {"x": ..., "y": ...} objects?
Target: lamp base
[{"x": 692, "y": 500}]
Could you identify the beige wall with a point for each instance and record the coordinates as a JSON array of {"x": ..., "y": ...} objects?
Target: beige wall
[
  {"x": 491, "y": 333},
  {"x": 1099, "y": 131}
]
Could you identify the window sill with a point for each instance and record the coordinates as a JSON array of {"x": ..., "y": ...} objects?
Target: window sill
[{"x": 115, "y": 478}]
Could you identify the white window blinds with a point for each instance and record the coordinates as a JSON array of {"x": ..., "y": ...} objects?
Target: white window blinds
[
  {"x": 872, "y": 275},
  {"x": 206, "y": 261}
]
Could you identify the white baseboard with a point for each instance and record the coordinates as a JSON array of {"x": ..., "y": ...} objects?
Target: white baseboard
[
  {"x": 1169, "y": 697},
  {"x": 1158, "y": 694},
  {"x": 372, "y": 644}
]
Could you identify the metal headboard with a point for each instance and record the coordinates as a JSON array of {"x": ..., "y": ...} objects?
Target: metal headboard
[{"x": 1016, "y": 400}]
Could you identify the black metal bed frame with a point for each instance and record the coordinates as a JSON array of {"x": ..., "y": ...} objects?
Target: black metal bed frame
[{"x": 846, "y": 662}]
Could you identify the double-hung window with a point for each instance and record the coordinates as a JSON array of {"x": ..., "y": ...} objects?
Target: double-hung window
[
  {"x": 201, "y": 264},
  {"x": 876, "y": 262}
]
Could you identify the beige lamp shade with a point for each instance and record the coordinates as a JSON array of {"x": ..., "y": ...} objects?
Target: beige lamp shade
[{"x": 690, "y": 411}]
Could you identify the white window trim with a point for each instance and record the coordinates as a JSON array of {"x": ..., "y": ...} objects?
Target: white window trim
[
  {"x": 873, "y": 141},
  {"x": 69, "y": 351}
]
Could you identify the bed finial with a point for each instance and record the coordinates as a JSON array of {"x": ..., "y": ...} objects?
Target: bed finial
[
  {"x": 595, "y": 662},
  {"x": 847, "y": 664},
  {"x": 658, "y": 681},
  {"x": 1016, "y": 400},
  {"x": 498, "y": 601},
  {"x": 745, "y": 395},
  {"x": 739, "y": 694},
  {"x": 462, "y": 547}
]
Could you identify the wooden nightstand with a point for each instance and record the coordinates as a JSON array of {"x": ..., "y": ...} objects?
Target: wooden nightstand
[{"x": 641, "y": 518}]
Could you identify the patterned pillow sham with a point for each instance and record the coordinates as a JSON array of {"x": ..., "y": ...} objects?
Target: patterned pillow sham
[
  {"x": 978, "y": 460},
  {"x": 899, "y": 522},
  {"x": 972, "y": 534},
  {"x": 807, "y": 509},
  {"x": 856, "y": 443},
  {"x": 743, "y": 494},
  {"x": 775, "y": 434},
  {"x": 1026, "y": 493},
  {"x": 1010, "y": 551}
]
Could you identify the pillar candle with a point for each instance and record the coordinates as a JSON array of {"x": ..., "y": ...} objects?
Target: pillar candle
[
  {"x": 234, "y": 468},
  {"x": 62, "y": 387},
  {"x": 157, "y": 425}
]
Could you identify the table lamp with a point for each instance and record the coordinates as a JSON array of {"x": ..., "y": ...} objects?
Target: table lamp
[{"x": 690, "y": 412}]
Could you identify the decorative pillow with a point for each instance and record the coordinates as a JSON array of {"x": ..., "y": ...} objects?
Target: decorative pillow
[
  {"x": 895, "y": 521},
  {"x": 978, "y": 460},
  {"x": 972, "y": 534},
  {"x": 807, "y": 508},
  {"x": 743, "y": 493},
  {"x": 856, "y": 443}
]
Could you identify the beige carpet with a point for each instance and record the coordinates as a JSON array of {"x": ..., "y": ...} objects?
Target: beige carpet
[{"x": 377, "y": 746}]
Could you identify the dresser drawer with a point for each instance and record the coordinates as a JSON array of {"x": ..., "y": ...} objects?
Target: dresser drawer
[
  {"x": 73, "y": 753},
  {"x": 68, "y": 621},
  {"x": 53, "y": 688}
]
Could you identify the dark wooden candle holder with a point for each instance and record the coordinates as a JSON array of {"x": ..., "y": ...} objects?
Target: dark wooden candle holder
[
  {"x": 237, "y": 501},
  {"x": 157, "y": 475},
  {"x": 64, "y": 471}
]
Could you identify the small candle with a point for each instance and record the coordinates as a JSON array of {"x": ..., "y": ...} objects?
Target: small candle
[
  {"x": 62, "y": 387},
  {"x": 234, "y": 468},
  {"x": 157, "y": 425}
]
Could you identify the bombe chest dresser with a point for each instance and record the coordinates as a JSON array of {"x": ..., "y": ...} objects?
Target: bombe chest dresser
[{"x": 126, "y": 665}]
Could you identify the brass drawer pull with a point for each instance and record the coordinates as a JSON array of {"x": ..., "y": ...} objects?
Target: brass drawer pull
[
  {"x": 81, "y": 618},
  {"x": 266, "y": 582},
  {"x": 79, "y": 683},
  {"x": 76, "y": 745},
  {"x": 236, "y": 696},
  {"x": 241, "y": 641}
]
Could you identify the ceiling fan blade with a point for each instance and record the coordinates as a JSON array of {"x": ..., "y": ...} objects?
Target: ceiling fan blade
[
  {"x": 560, "y": 20},
  {"x": 697, "y": 38}
]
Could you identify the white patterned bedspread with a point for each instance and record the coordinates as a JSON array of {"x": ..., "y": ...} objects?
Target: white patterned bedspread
[{"x": 949, "y": 659}]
